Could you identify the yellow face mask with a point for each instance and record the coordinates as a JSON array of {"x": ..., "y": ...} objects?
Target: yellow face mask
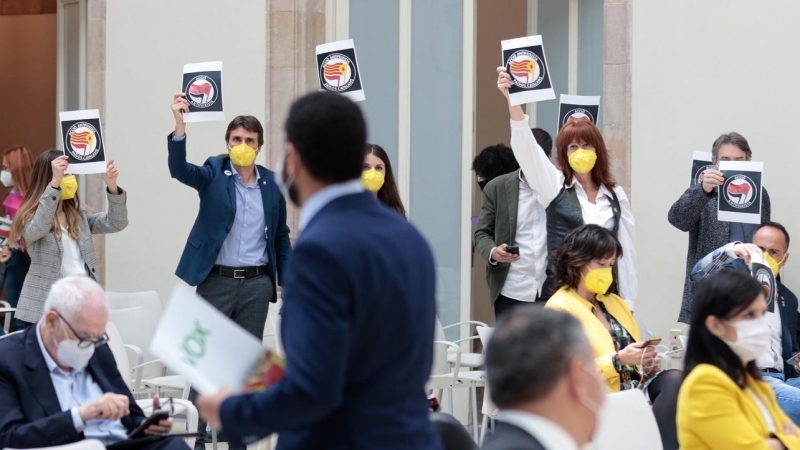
[
  {"x": 242, "y": 155},
  {"x": 69, "y": 187},
  {"x": 582, "y": 160},
  {"x": 599, "y": 280},
  {"x": 774, "y": 265},
  {"x": 372, "y": 180}
]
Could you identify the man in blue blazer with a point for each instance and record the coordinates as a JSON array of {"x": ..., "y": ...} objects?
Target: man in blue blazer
[
  {"x": 59, "y": 382},
  {"x": 359, "y": 308}
]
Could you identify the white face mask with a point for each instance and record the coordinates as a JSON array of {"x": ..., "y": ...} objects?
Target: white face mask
[
  {"x": 752, "y": 338},
  {"x": 594, "y": 407},
  {"x": 283, "y": 185},
  {"x": 69, "y": 354},
  {"x": 6, "y": 178}
]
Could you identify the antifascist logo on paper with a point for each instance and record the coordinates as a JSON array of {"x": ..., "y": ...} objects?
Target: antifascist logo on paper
[
  {"x": 526, "y": 69},
  {"x": 82, "y": 141},
  {"x": 337, "y": 72},
  {"x": 202, "y": 91},
  {"x": 740, "y": 191},
  {"x": 766, "y": 278},
  {"x": 700, "y": 174},
  {"x": 578, "y": 113}
]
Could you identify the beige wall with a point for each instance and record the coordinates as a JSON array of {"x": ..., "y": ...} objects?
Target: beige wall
[
  {"x": 145, "y": 53},
  {"x": 701, "y": 69},
  {"x": 28, "y": 81}
]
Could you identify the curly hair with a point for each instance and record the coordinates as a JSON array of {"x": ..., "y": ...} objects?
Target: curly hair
[{"x": 582, "y": 245}]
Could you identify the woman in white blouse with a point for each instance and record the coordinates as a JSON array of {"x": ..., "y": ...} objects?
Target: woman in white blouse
[{"x": 579, "y": 190}]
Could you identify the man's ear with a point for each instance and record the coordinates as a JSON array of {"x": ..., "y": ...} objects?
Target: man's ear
[{"x": 785, "y": 259}]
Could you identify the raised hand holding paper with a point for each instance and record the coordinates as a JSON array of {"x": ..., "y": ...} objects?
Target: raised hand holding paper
[
  {"x": 701, "y": 161},
  {"x": 524, "y": 60},
  {"x": 572, "y": 107},
  {"x": 762, "y": 272},
  {"x": 197, "y": 341},
  {"x": 82, "y": 137},
  {"x": 202, "y": 84},
  {"x": 338, "y": 69},
  {"x": 740, "y": 194}
]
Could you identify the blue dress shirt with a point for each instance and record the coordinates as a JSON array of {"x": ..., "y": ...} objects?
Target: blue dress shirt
[{"x": 246, "y": 244}]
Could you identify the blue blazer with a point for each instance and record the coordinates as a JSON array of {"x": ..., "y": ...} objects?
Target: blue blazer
[
  {"x": 215, "y": 186},
  {"x": 30, "y": 415},
  {"x": 357, "y": 328}
]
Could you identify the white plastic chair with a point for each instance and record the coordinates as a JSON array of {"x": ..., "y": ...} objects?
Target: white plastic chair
[
  {"x": 86, "y": 444},
  {"x": 471, "y": 360},
  {"x": 7, "y": 320},
  {"x": 136, "y": 316},
  {"x": 627, "y": 423},
  {"x": 488, "y": 410}
]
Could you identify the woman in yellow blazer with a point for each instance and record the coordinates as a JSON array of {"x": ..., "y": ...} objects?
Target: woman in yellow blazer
[
  {"x": 583, "y": 276},
  {"x": 723, "y": 404}
]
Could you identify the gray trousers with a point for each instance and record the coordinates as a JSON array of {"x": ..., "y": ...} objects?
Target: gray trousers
[{"x": 244, "y": 301}]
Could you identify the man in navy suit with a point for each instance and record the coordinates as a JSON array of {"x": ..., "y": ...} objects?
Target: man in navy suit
[
  {"x": 239, "y": 243},
  {"x": 59, "y": 382},
  {"x": 359, "y": 308}
]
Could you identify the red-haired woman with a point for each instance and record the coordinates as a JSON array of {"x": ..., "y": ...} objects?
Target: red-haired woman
[
  {"x": 17, "y": 167},
  {"x": 578, "y": 190}
]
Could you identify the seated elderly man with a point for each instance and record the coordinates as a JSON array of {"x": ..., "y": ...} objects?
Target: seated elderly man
[{"x": 59, "y": 383}]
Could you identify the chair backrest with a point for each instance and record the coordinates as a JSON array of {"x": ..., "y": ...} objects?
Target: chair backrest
[
  {"x": 12, "y": 333},
  {"x": 117, "y": 347},
  {"x": 271, "y": 337},
  {"x": 488, "y": 408},
  {"x": 684, "y": 340},
  {"x": 440, "y": 365},
  {"x": 627, "y": 423},
  {"x": 454, "y": 436},
  {"x": 124, "y": 300},
  {"x": 136, "y": 325}
]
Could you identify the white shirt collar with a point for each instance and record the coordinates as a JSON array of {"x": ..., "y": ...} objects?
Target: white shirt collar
[
  {"x": 326, "y": 195},
  {"x": 548, "y": 433},
  {"x": 602, "y": 190},
  {"x": 51, "y": 363}
]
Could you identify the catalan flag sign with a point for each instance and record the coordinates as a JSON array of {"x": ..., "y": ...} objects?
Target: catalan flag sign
[
  {"x": 701, "y": 162},
  {"x": 740, "y": 195},
  {"x": 338, "y": 69},
  {"x": 202, "y": 85},
  {"x": 82, "y": 139},
  {"x": 524, "y": 60},
  {"x": 574, "y": 107}
]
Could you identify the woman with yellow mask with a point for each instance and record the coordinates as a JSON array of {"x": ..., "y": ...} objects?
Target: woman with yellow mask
[
  {"x": 57, "y": 234},
  {"x": 583, "y": 278},
  {"x": 379, "y": 178},
  {"x": 579, "y": 189}
]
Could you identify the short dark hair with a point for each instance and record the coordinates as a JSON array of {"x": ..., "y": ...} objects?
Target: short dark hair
[
  {"x": 493, "y": 161},
  {"x": 544, "y": 140},
  {"x": 722, "y": 295},
  {"x": 329, "y": 134},
  {"x": 530, "y": 351},
  {"x": 777, "y": 226},
  {"x": 734, "y": 139},
  {"x": 250, "y": 124},
  {"x": 579, "y": 248}
]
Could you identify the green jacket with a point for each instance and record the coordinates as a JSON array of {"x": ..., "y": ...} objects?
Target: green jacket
[{"x": 497, "y": 225}]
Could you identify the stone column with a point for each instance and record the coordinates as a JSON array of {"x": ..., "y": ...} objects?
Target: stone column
[
  {"x": 617, "y": 87},
  {"x": 96, "y": 99},
  {"x": 294, "y": 29}
]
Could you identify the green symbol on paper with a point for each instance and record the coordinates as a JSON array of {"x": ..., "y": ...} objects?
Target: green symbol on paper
[{"x": 194, "y": 344}]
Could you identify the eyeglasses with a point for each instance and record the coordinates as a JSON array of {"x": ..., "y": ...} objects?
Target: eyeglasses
[{"x": 85, "y": 342}]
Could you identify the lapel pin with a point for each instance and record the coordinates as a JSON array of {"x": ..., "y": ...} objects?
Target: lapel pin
[{"x": 227, "y": 172}]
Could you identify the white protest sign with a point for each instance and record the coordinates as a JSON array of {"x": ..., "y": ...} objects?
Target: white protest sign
[
  {"x": 202, "y": 84},
  {"x": 338, "y": 69},
  {"x": 740, "y": 193},
  {"x": 196, "y": 340},
  {"x": 574, "y": 107},
  {"x": 525, "y": 62},
  {"x": 83, "y": 141}
]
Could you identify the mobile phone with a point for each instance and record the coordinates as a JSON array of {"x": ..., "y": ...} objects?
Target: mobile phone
[
  {"x": 653, "y": 341},
  {"x": 154, "y": 418},
  {"x": 513, "y": 250}
]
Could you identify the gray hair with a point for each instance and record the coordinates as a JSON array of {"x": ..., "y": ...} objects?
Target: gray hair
[
  {"x": 529, "y": 352},
  {"x": 734, "y": 139},
  {"x": 68, "y": 295}
]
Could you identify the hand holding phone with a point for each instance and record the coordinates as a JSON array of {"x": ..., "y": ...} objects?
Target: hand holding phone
[
  {"x": 653, "y": 341},
  {"x": 513, "y": 250}
]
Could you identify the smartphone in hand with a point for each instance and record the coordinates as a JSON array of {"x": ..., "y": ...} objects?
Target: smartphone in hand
[{"x": 513, "y": 250}]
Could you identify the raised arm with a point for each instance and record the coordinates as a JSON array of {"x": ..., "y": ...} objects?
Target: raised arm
[
  {"x": 628, "y": 276},
  {"x": 724, "y": 256},
  {"x": 189, "y": 174},
  {"x": 541, "y": 175},
  {"x": 116, "y": 218}
]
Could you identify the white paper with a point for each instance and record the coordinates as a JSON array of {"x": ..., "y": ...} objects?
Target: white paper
[
  {"x": 702, "y": 156},
  {"x": 740, "y": 217},
  {"x": 196, "y": 340},
  {"x": 356, "y": 95},
  {"x": 204, "y": 116},
  {"x": 98, "y": 166},
  {"x": 519, "y": 98}
]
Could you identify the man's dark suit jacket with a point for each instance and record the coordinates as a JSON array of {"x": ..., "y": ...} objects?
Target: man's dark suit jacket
[
  {"x": 30, "y": 415},
  {"x": 510, "y": 437},
  {"x": 357, "y": 328}
]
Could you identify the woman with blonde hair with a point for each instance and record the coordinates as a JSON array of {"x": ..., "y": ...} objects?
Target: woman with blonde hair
[
  {"x": 16, "y": 174},
  {"x": 56, "y": 232}
]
